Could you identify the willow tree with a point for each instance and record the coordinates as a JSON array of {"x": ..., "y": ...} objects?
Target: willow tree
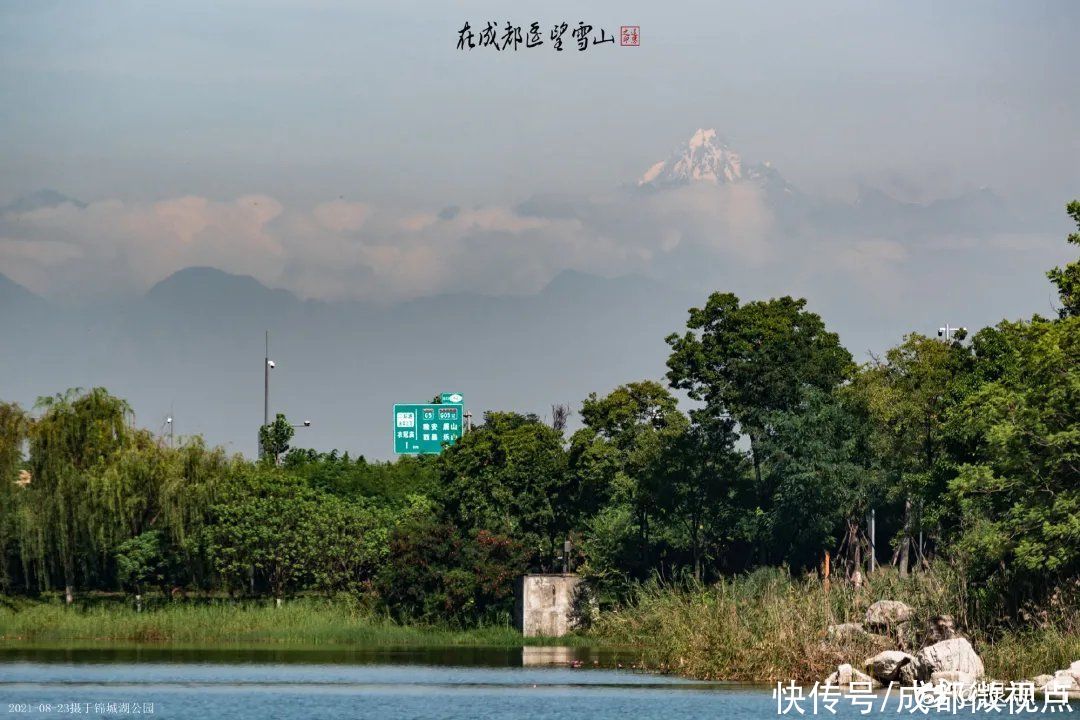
[
  {"x": 77, "y": 436},
  {"x": 14, "y": 425}
]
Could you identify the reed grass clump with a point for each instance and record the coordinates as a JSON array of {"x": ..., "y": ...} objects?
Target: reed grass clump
[{"x": 768, "y": 626}]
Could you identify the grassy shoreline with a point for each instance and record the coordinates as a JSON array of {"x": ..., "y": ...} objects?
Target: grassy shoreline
[
  {"x": 758, "y": 628},
  {"x": 300, "y": 622}
]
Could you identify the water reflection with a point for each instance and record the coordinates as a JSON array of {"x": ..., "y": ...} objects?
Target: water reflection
[{"x": 494, "y": 657}]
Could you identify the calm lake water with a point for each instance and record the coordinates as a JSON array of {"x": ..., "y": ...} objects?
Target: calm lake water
[{"x": 465, "y": 683}]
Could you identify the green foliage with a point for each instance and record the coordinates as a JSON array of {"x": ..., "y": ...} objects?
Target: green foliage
[
  {"x": 140, "y": 562},
  {"x": 1067, "y": 279},
  {"x": 509, "y": 476},
  {"x": 1019, "y": 492},
  {"x": 815, "y": 465},
  {"x": 14, "y": 428},
  {"x": 274, "y": 438},
  {"x": 746, "y": 361},
  {"x": 259, "y": 539},
  {"x": 436, "y": 573},
  {"x": 76, "y": 437}
]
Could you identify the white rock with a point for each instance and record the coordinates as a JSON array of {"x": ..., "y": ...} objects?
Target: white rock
[
  {"x": 949, "y": 655},
  {"x": 885, "y": 614},
  {"x": 845, "y": 675},
  {"x": 858, "y": 676},
  {"x": 1063, "y": 681},
  {"x": 1074, "y": 670},
  {"x": 953, "y": 677},
  {"x": 842, "y": 676},
  {"x": 1039, "y": 681}
]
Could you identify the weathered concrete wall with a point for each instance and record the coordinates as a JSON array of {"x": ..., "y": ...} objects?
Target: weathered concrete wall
[{"x": 544, "y": 604}]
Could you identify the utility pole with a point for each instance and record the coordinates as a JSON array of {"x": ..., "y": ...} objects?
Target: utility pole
[
  {"x": 468, "y": 420},
  {"x": 266, "y": 382},
  {"x": 266, "y": 391}
]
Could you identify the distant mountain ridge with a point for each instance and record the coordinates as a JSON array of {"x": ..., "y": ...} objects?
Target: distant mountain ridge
[{"x": 707, "y": 159}]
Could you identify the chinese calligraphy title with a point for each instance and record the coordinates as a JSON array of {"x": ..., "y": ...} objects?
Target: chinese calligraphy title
[{"x": 560, "y": 37}]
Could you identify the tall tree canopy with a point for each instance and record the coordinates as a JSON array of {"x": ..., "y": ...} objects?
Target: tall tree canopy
[{"x": 1067, "y": 279}]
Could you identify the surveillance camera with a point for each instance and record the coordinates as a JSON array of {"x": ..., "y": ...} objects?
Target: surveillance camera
[
  {"x": 940, "y": 332},
  {"x": 168, "y": 420},
  {"x": 271, "y": 364},
  {"x": 307, "y": 423}
]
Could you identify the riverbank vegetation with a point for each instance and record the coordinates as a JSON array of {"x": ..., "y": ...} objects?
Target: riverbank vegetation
[
  {"x": 301, "y": 622},
  {"x": 767, "y": 447},
  {"x": 768, "y": 625}
]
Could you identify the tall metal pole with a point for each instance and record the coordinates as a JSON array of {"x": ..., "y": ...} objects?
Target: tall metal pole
[
  {"x": 266, "y": 382},
  {"x": 266, "y": 391}
]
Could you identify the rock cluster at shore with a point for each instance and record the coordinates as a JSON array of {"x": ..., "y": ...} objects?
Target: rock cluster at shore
[{"x": 943, "y": 656}]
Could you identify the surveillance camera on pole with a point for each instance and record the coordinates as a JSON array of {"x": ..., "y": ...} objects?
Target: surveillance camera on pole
[
  {"x": 270, "y": 364},
  {"x": 948, "y": 332}
]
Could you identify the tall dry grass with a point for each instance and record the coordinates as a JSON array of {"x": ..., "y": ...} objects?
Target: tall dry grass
[{"x": 767, "y": 626}]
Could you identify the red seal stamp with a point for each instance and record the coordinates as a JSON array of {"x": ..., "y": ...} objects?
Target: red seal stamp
[{"x": 630, "y": 35}]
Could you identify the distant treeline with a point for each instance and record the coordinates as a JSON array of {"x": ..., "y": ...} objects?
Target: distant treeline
[{"x": 966, "y": 449}]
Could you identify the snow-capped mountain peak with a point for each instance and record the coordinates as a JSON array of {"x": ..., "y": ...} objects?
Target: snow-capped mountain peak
[{"x": 704, "y": 157}]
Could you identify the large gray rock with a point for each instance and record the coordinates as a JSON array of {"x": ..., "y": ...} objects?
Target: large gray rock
[
  {"x": 885, "y": 615},
  {"x": 954, "y": 655},
  {"x": 892, "y": 666}
]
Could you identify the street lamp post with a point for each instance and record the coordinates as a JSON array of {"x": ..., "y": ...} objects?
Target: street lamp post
[{"x": 268, "y": 365}]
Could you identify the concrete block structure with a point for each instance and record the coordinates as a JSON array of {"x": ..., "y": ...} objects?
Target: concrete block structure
[{"x": 544, "y": 605}]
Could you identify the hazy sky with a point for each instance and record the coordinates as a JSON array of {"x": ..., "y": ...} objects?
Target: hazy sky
[
  {"x": 307, "y": 101},
  {"x": 349, "y": 150}
]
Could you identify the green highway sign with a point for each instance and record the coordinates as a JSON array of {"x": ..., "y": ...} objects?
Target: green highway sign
[
  {"x": 427, "y": 427},
  {"x": 451, "y": 398}
]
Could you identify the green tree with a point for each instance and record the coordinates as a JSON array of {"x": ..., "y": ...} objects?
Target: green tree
[
  {"x": 258, "y": 538},
  {"x": 1067, "y": 279},
  {"x": 1020, "y": 492},
  {"x": 747, "y": 362},
  {"x": 509, "y": 476},
  {"x": 817, "y": 455},
  {"x": 14, "y": 429},
  {"x": 907, "y": 395},
  {"x": 72, "y": 442},
  {"x": 140, "y": 561},
  {"x": 438, "y": 573},
  {"x": 351, "y": 543},
  {"x": 615, "y": 460},
  {"x": 274, "y": 438}
]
